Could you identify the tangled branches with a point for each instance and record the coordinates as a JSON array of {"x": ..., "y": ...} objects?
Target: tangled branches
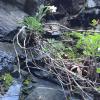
[{"x": 63, "y": 69}]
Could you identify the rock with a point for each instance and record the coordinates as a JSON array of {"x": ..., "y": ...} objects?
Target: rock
[
  {"x": 93, "y": 3},
  {"x": 6, "y": 60},
  {"x": 49, "y": 93},
  {"x": 85, "y": 17},
  {"x": 18, "y": 3},
  {"x": 68, "y": 6},
  {"x": 44, "y": 89},
  {"x": 76, "y": 6},
  {"x": 93, "y": 6},
  {"x": 54, "y": 16},
  {"x": 13, "y": 92},
  {"x": 10, "y": 16},
  {"x": 29, "y": 6},
  {"x": 7, "y": 55},
  {"x": 43, "y": 74},
  {"x": 52, "y": 28},
  {"x": 46, "y": 93},
  {"x": 41, "y": 89},
  {"x": 97, "y": 28}
]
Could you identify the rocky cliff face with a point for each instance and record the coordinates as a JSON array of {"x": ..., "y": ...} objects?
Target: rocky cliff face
[
  {"x": 71, "y": 7},
  {"x": 13, "y": 11},
  {"x": 10, "y": 16},
  {"x": 28, "y": 6}
]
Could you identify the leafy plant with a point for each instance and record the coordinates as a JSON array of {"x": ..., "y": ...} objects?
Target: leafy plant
[
  {"x": 58, "y": 49},
  {"x": 76, "y": 35},
  {"x": 70, "y": 52},
  {"x": 94, "y": 22},
  {"x": 54, "y": 47},
  {"x": 26, "y": 82},
  {"x": 98, "y": 88},
  {"x": 98, "y": 70},
  {"x": 33, "y": 24},
  {"x": 42, "y": 12},
  {"x": 90, "y": 44},
  {"x": 7, "y": 79}
]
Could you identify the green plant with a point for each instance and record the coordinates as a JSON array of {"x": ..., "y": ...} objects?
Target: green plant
[
  {"x": 98, "y": 70},
  {"x": 42, "y": 12},
  {"x": 90, "y": 44},
  {"x": 76, "y": 35},
  {"x": 54, "y": 47},
  {"x": 7, "y": 79},
  {"x": 26, "y": 82},
  {"x": 94, "y": 22},
  {"x": 58, "y": 49},
  {"x": 71, "y": 53},
  {"x": 33, "y": 24},
  {"x": 98, "y": 88}
]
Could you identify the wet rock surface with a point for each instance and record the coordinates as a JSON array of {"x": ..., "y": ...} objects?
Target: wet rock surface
[
  {"x": 6, "y": 60},
  {"x": 42, "y": 89},
  {"x": 45, "y": 93},
  {"x": 13, "y": 93},
  {"x": 7, "y": 55}
]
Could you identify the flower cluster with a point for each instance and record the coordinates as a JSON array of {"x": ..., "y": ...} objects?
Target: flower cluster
[{"x": 52, "y": 8}]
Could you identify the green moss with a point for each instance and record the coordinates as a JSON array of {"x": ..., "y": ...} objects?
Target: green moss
[
  {"x": 26, "y": 82},
  {"x": 98, "y": 70},
  {"x": 90, "y": 44},
  {"x": 7, "y": 79}
]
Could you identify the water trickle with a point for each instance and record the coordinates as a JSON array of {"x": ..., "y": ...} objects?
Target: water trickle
[
  {"x": 91, "y": 3},
  {"x": 13, "y": 92}
]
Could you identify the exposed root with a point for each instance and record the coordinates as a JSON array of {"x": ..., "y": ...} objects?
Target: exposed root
[{"x": 75, "y": 82}]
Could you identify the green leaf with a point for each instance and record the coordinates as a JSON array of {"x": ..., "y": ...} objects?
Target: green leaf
[
  {"x": 98, "y": 70},
  {"x": 90, "y": 44},
  {"x": 33, "y": 24},
  {"x": 26, "y": 82},
  {"x": 94, "y": 22}
]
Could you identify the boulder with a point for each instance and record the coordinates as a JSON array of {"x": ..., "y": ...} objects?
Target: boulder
[
  {"x": 28, "y": 6},
  {"x": 10, "y": 17},
  {"x": 84, "y": 18},
  {"x": 49, "y": 93},
  {"x": 67, "y": 6},
  {"x": 7, "y": 56},
  {"x": 13, "y": 92},
  {"x": 93, "y": 3},
  {"x": 46, "y": 93}
]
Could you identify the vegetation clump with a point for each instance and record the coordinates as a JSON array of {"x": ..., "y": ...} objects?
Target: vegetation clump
[
  {"x": 90, "y": 44},
  {"x": 72, "y": 58},
  {"x": 6, "y": 81}
]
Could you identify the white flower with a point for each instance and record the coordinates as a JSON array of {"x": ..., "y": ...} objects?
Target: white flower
[
  {"x": 98, "y": 49},
  {"x": 52, "y": 8}
]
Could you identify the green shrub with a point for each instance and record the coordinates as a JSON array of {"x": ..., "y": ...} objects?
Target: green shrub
[
  {"x": 7, "y": 79},
  {"x": 54, "y": 47},
  {"x": 33, "y": 24},
  {"x": 90, "y": 43}
]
